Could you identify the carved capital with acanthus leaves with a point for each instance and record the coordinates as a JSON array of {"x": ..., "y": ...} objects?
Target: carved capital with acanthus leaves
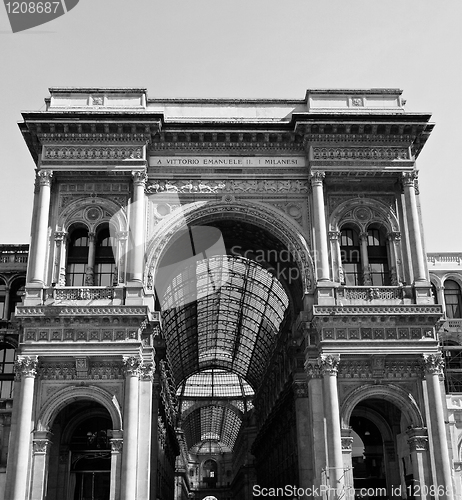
[
  {"x": 317, "y": 178},
  {"x": 132, "y": 366},
  {"x": 139, "y": 177},
  {"x": 147, "y": 371},
  {"x": 417, "y": 438},
  {"x": 328, "y": 364},
  {"x": 409, "y": 179},
  {"x": 433, "y": 364},
  {"x": 26, "y": 366},
  {"x": 45, "y": 177},
  {"x": 300, "y": 388}
]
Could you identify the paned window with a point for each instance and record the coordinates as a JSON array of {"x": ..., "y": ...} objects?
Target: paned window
[
  {"x": 77, "y": 257},
  {"x": 452, "y": 299},
  {"x": 378, "y": 257},
  {"x": 104, "y": 259},
  {"x": 351, "y": 256},
  {"x": 7, "y": 357}
]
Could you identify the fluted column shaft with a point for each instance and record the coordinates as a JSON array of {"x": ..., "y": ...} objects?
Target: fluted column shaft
[
  {"x": 40, "y": 231},
  {"x": 319, "y": 222},
  {"x": 137, "y": 226},
  {"x": 433, "y": 369},
  {"x": 335, "y": 470},
  {"x": 415, "y": 235},
  {"x": 26, "y": 368},
  {"x": 130, "y": 443}
]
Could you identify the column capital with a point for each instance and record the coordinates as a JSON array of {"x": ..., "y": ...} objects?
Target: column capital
[
  {"x": 394, "y": 236},
  {"x": 45, "y": 177},
  {"x": 147, "y": 371},
  {"x": 328, "y": 363},
  {"x": 347, "y": 443},
  {"x": 312, "y": 369},
  {"x": 417, "y": 438},
  {"x": 363, "y": 236},
  {"x": 139, "y": 177},
  {"x": 433, "y": 364},
  {"x": 409, "y": 179},
  {"x": 41, "y": 443},
  {"x": 60, "y": 236},
  {"x": 131, "y": 366},
  {"x": 334, "y": 235},
  {"x": 317, "y": 177},
  {"x": 26, "y": 366},
  {"x": 116, "y": 445}
]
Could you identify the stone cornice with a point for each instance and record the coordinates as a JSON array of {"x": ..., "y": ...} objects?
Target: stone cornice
[
  {"x": 59, "y": 311},
  {"x": 374, "y": 310}
]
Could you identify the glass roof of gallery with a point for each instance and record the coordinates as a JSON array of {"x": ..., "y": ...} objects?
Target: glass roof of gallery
[{"x": 231, "y": 327}]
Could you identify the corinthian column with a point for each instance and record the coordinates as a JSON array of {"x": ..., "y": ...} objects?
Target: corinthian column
[
  {"x": 433, "y": 364},
  {"x": 20, "y": 454},
  {"x": 415, "y": 236},
  {"x": 335, "y": 470},
  {"x": 130, "y": 447},
  {"x": 319, "y": 223},
  {"x": 40, "y": 229},
  {"x": 137, "y": 227}
]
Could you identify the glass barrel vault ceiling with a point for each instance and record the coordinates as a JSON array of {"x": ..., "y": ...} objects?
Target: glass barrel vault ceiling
[
  {"x": 232, "y": 327},
  {"x": 218, "y": 344}
]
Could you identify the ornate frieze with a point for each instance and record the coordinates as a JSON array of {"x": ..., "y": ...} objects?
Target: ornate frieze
[
  {"x": 92, "y": 334},
  {"x": 371, "y": 332},
  {"x": 377, "y": 153},
  {"x": 92, "y": 153},
  {"x": 53, "y": 311},
  {"x": 433, "y": 364},
  {"x": 205, "y": 186},
  {"x": 355, "y": 310},
  {"x": 26, "y": 366},
  {"x": 93, "y": 137},
  {"x": 81, "y": 368}
]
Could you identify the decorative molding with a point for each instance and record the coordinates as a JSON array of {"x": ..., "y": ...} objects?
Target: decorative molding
[
  {"x": 433, "y": 310},
  {"x": 53, "y": 311},
  {"x": 204, "y": 186},
  {"x": 93, "y": 153},
  {"x": 377, "y": 153},
  {"x": 26, "y": 366}
]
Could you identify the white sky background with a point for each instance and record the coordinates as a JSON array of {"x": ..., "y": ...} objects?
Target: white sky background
[{"x": 243, "y": 48}]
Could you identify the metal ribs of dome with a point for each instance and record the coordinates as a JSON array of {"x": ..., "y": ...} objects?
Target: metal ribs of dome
[{"x": 233, "y": 327}]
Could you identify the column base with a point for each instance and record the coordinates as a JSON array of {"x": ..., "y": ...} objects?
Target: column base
[
  {"x": 34, "y": 294},
  {"x": 325, "y": 293},
  {"x": 423, "y": 293}
]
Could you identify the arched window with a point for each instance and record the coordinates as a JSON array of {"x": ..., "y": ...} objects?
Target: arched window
[
  {"x": 351, "y": 256},
  {"x": 16, "y": 294},
  {"x": 452, "y": 299},
  {"x": 77, "y": 257},
  {"x": 7, "y": 356},
  {"x": 104, "y": 259},
  {"x": 378, "y": 257},
  {"x": 435, "y": 293},
  {"x": 3, "y": 293}
]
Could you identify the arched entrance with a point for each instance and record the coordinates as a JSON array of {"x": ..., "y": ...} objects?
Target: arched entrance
[
  {"x": 80, "y": 454},
  {"x": 222, "y": 315}
]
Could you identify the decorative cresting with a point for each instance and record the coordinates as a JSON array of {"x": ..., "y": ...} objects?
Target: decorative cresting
[
  {"x": 257, "y": 213},
  {"x": 433, "y": 364},
  {"x": 57, "y": 401},
  {"x": 390, "y": 392},
  {"x": 26, "y": 366}
]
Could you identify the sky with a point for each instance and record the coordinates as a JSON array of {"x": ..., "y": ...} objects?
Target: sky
[{"x": 243, "y": 49}]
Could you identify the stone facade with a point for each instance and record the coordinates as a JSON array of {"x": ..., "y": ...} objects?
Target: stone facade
[{"x": 273, "y": 244}]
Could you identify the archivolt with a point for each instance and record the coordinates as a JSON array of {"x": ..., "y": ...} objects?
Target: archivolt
[
  {"x": 380, "y": 214},
  {"x": 70, "y": 394},
  {"x": 256, "y": 213},
  {"x": 402, "y": 399}
]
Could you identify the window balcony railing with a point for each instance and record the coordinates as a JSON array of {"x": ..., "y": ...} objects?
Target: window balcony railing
[
  {"x": 371, "y": 294},
  {"x": 83, "y": 293}
]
